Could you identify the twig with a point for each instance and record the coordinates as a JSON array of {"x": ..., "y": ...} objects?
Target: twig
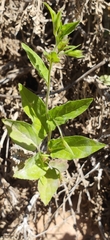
[
  {"x": 81, "y": 78},
  {"x": 70, "y": 204},
  {"x": 62, "y": 89},
  {"x": 101, "y": 230},
  {"x": 25, "y": 225}
]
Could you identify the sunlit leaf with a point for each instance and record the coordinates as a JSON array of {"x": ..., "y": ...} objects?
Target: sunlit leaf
[
  {"x": 57, "y": 23},
  {"x": 67, "y": 28},
  {"x": 70, "y": 48},
  {"x": 62, "y": 44},
  {"x": 37, "y": 62},
  {"x": 105, "y": 79},
  {"x": 35, "y": 109},
  {"x": 78, "y": 147},
  {"x": 32, "y": 169},
  {"x": 48, "y": 185},
  {"x": 52, "y": 12},
  {"x": 32, "y": 104},
  {"x": 52, "y": 57},
  {"x": 74, "y": 53},
  {"x": 22, "y": 134},
  {"x": 70, "y": 110}
]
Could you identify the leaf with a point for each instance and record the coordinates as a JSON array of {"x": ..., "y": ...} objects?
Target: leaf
[
  {"x": 62, "y": 44},
  {"x": 70, "y": 48},
  {"x": 37, "y": 62},
  {"x": 52, "y": 12},
  {"x": 48, "y": 185},
  {"x": 22, "y": 134},
  {"x": 59, "y": 164},
  {"x": 35, "y": 109},
  {"x": 75, "y": 53},
  {"x": 32, "y": 104},
  {"x": 80, "y": 147},
  {"x": 105, "y": 79},
  {"x": 56, "y": 19},
  {"x": 39, "y": 131},
  {"x": 32, "y": 169},
  {"x": 52, "y": 57},
  {"x": 67, "y": 28},
  {"x": 57, "y": 23},
  {"x": 70, "y": 110}
]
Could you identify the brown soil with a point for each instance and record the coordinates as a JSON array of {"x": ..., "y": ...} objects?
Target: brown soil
[{"x": 80, "y": 210}]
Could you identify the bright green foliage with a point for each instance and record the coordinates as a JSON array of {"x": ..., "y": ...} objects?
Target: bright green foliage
[
  {"x": 37, "y": 62},
  {"x": 73, "y": 147},
  {"x": 50, "y": 155},
  {"x": 33, "y": 168},
  {"x": 48, "y": 185},
  {"x": 22, "y": 134},
  {"x": 70, "y": 110},
  {"x": 32, "y": 104},
  {"x": 105, "y": 79},
  {"x": 52, "y": 57}
]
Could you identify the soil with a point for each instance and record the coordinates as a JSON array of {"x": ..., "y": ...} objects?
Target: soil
[{"x": 80, "y": 209}]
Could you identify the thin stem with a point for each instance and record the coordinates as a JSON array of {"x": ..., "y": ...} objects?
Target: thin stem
[
  {"x": 48, "y": 88},
  {"x": 47, "y": 100}
]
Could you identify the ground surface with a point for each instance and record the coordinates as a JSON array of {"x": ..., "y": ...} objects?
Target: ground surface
[{"x": 81, "y": 208}]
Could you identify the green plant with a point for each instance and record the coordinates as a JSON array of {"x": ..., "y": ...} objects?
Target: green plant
[
  {"x": 47, "y": 165},
  {"x": 105, "y": 79}
]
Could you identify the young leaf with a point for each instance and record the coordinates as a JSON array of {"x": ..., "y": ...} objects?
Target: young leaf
[
  {"x": 32, "y": 169},
  {"x": 57, "y": 24},
  {"x": 80, "y": 147},
  {"x": 37, "y": 62},
  {"x": 75, "y": 53},
  {"x": 48, "y": 185},
  {"x": 62, "y": 44},
  {"x": 70, "y": 48},
  {"x": 67, "y": 28},
  {"x": 22, "y": 134},
  {"x": 105, "y": 79},
  {"x": 52, "y": 57},
  {"x": 71, "y": 109},
  {"x": 52, "y": 12},
  {"x": 56, "y": 19}
]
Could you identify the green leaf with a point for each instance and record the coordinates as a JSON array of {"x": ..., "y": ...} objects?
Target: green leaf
[
  {"x": 70, "y": 48},
  {"x": 62, "y": 44},
  {"x": 39, "y": 131},
  {"x": 57, "y": 24},
  {"x": 70, "y": 110},
  {"x": 59, "y": 164},
  {"x": 56, "y": 19},
  {"x": 52, "y": 12},
  {"x": 67, "y": 28},
  {"x": 37, "y": 62},
  {"x": 32, "y": 104},
  {"x": 35, "y": 109},
  {"x": 80, "y": 147},
  {"x": 75, "y": 53},
  {"x": 22, "y": 134},
  {"x": 48, "y": 185},
  {"x": 32, "y": 169},
  {"x": 52, "y": 57},
  {"x": 105, "y": 79}
]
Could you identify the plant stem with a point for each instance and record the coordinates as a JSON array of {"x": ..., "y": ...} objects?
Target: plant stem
[
  {"x": 47, "y": 100},
  {"x": 48, "y": 88}
]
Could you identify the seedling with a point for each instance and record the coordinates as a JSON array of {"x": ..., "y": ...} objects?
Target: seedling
[{"x": 47, "y": 165}]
